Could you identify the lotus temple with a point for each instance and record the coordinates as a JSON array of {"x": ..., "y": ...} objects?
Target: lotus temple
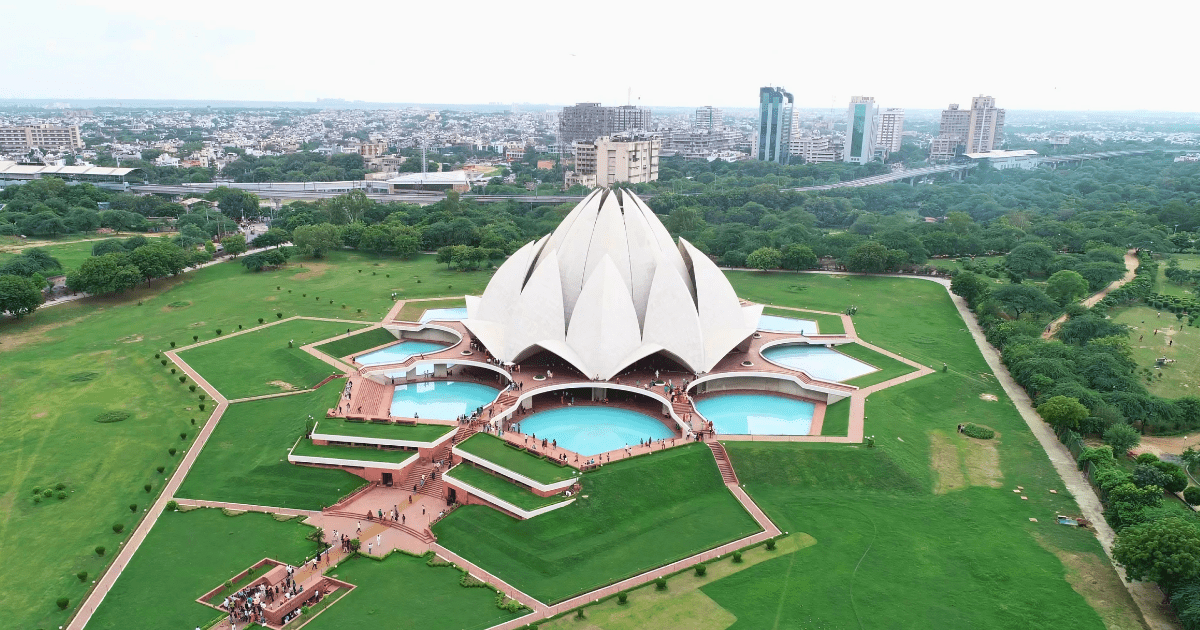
[{"x": 603, "y": 340}]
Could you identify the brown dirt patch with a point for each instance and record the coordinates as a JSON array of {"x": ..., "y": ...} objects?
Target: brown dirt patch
[
  {"x": 130, "y": 339},
  {"x": 964, "y": 462},
  {"x": 982, "y": 461},
  {"x": 1173, "y": 444},
  {"x": 943, "y": 459},
  {"x": 284, "y": 385},
  {"x": 1100, "y": 586},
  {"x": 270, "y": 298},
  {"x": 13, "y": 341},
  {"x": 40, "y": 414},
  {"x": 196, "y": 324},
  {"x": 988, "y": 397},
  {"x": 312, "y": 270}
]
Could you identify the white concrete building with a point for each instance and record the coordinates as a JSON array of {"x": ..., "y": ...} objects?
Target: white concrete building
[
  {"x": 859, "y": 147},
  {"x": 891, "y": 129},
  {"x": 607, "y": 161}
]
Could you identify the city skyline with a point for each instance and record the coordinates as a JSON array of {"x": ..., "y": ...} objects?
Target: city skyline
[{"x": 270, "y": 52}]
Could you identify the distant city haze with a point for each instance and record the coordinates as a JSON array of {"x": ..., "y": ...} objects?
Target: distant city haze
[{"x": 1067, "y": 55}]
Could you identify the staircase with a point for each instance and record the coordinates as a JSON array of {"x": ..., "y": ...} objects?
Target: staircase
[
  {"x": 370, "y": 397},
  {"x": 682, "y": 408},
  {"x": 723, "y": 463},
  {"x": 434, "y": 488},
  {"x": 424, "y": 536}
]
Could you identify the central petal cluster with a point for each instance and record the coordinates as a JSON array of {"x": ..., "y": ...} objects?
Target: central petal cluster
[{"x": 609, "y": 287}]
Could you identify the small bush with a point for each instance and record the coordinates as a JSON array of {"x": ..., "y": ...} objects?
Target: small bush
[
  {"x": 303, "y": 295},
  {"x": 770, "y": 544},
  {"x": 622, "y": 597},
  {"x": 163, "y": 361},
  {"x": 579, "y": 613},
  {"x": 278, "y": 315},
  {"x": 191, "y": 388},
  {"x": 182, "y": 378},
  {"x": 260, "y": 320},
  {"x": 317, "y": 298},
  {"x": 737, "y": 556},
  {"x": 48, "y": 492},
  {"x": 193, "y": 422},
  {"x": 201, "y": 406},
  {"x": 172, "y": 344},
  {"x": 171, "y": 452},
  {"x": 195, "y": 337},
  {"x": 63, "y": 602},
  {"x": 1147, "y": 458},
  {"x": 100, "y": 550},
  {"x": 62, "y": 495},
  {"x": 112, "y": 416},
  {"x": 1191, "y": 494},
  {"x": 701, "y": 569},
  {"x": 37, "y": 490},
  {"x": 60, "y": 486},
  {"x": 660, "y": 584},
  {"x": 203, "y": 396},
  {"x": 228, "y": 583},
  {"x": 182, "y": 435},
  {"x": 172, "y": 506},
  {"x": 360, "y": 310},
  {"x": 157, "y": 355},
  {"x": 133, "y": 507},
  {"x": 118, "y": 528},
  {"x": 174, "y": 371},
  {"x": 82, "y": 575},
  {"x": 218, "y": 332},
  {"x": 239, "y": 326},
  {"x": 160, "y": 468},
  {"x": 978, "y": 432},
  {"x": 147, "y": 487}
]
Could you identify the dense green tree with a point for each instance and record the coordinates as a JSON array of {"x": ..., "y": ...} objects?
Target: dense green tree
[
  {"x": 1166, "y": 552},
  {"x": 1018, "y": 299},
  {"x": 870, "y": 257},
  {"x": 970, "y": 286},
  {"x": 1065, "y": 286},
  {"x": 18, "y": 296},
  {"x": 158, "y": 260},
  {"x": 234, "y": 244},
  {"x": 272, "y": 237},
  {"x": 315, "y": 241},
  {"x": 764, "y": 258},
  {"x": 1029, "y": 259},
  {"x": 109, "y": 273},
  {"x": 796, "y": 256},
  {"x": 1122, "y": 437},
  {"x": 1063, "y": 412}
]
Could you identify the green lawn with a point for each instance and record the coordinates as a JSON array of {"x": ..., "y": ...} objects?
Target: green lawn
[
  {"x": 402, "y": 592},
  {"x": 245, "y": 459},
  {"x": 390, "y": 431},
  {"x": 495, "y": 450},
  {"x": 1175, "y": 340},
  {"x": 69, "y": 255},
  {"x": 837, "y": 419},
  {"x": 366, "y": 454},
  {"x": 357, "y": 343},
  {"x": 826, "y": 324},
  {"x": 889, "y": 368},
  {"x": 1166, "y": 287},
  {"x": 186, "y": 555},
  {"x": 632, "y": 516},
  {"x": 413, "y": 311},
  {"x": 500, "y": 488},
  {"x": 260, "y": 362}
]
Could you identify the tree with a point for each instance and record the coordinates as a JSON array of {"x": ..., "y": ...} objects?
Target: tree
[
  {"x": 234, "y": 244},
  {"x": 445, "y": 254},
  {"x": 18, "y": 296},
  {"x": 796, "y": 256},
  {"x": 1063, "y": 412},
  {"x": 970, "y": 286},
  {"x": 272, "y": 237},
  {"x": 1017, "y": 299},
  {"x": 1122, "y": 437},
  {"x": 315, "y": 241},
  {"x": 264, "y": 259},
  {"x": 1174, "y": 479},
  {"x": 764, "y": 258},
  {"x": 1065, "y": 286},
  {"x": 158, "y": 260},
  {"x": 1166, "y": 551},
  {"x": 1029, "y": 259},
  {"x": 869, "y": 257},
  {"x": 109, "y": 273}
]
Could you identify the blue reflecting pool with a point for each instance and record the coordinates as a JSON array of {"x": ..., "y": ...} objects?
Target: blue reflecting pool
[
  {"x": 440, "y": 400},
  {"x": 757, "y": 414},
  {"x": 774, "y": 323},
  {"x": 591, "y": 430},
  {"x": 399, "y": 352},
  {"x": 818, "y": 362}
]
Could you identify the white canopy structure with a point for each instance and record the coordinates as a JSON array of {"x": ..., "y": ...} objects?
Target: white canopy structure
[{"x": 609, "y": 287}]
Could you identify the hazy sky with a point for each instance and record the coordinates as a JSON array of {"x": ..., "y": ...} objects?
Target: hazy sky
[{"x": 1043, "y": 54}]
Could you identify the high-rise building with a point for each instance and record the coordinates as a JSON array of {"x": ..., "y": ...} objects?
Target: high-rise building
[
  {"x": 710, "y": 118},
  {"x": 774, "y": 124},
  {"x": 588, "y": 121},
  {"x": 39, "y": 136},
  {"x": 605, "y": 161},
  {"x": 860, "y": 131},
  {"x": 976, "y": 130},
  {"x": 891, "y": 128},
  {"x": 814, "y": 149}
]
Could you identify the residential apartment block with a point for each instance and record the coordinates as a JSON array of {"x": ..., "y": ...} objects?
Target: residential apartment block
[
  {"x": 588, "y": 121},
  {"x": 39, "y": 136},
  {"x": 709, "y": 117},
  {"x": 606, "y": 161},
  {"x": 890, "y": 131},
  {"x": 815, "y": 149},
  {"x": 976, "y": 130}
]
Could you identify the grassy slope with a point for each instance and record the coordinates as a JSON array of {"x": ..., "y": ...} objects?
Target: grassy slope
[
  {"x": 357, "y": 343},
  {"x": 889, "y": 368},
  {"x": 500, "y": 488},
  {"x": 639, "y": 514},
  {"x": 385, "y": 597},
  {"x": 391, "y": 431},
  {"x": 837, "y": 418},
  {"x": 245, "y": 459},
  {"x": 1174, "y": 379},
  {"x": 186, "y": 555},
  {"x": 494, "y": 450},
  {"x": 247, "y": 364},
  {"x": 413, "y": 311}
]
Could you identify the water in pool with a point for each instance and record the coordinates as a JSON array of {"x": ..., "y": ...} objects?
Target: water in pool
[
  {"x": 774, "y": 323},
  {"x": 591, "y": 430},
  {"x": 399, "y": 352},
  {"x": 757, "y": 414},
  {"x": 440, "y": 400},
  {"x": 445, "y": 314},
  {"x": 818, "y": 362}
]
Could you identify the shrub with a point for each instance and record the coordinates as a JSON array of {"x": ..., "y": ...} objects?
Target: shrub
[
  {"x": 579, "y": 613},
  {"x": 133, "y": 507},
  {"x": 228, "y": 583},
  {"x": 978, "y": 432},
  {"x": 278, "y": 315},
  {"x": 193, "y": 422},
  {"x": 303, "y": 295},
  {"x": 701, "y": 569},
  {"x": 160, "y": 468},
  {"x": 191, "y": 388},
  {"x": 260, "y": 320},
  {"x": 202, "y": 397},
  {"x": 156, "y": 355},
  {"x": 1146, "y": 458},
  {"x": 171, "y": 452},
  {"x": 118, "y": 528},
  {"x": 201, "y": 406},
  {"x": 172, "y": 344},
  {"x": 100, "y": 550},
  {"x": 195, "y": 337},
  {"x": 172, "y": 506},
  {"x": 37, "y": 498},
  {"x": 48, "y": 492},
  {"x": 239, "y": 326},
  {"x": 147, "y": 487},
  {"x": 173, "y": 370},
  {"x": 61, "y": 495},
  {"x": 63, "y": 602},
  {"x": 360, "y": 310},
  {"x": 1191, "y": 494},
  {"x": 60, "y": 486},
  {"x": 660, "y": 584},
  {"x": 770, "y": 544},
  {"x": 37, "y": 490},
  {"x": 182, "y": 378},
  {"x": 112, "y": 416},
  {"x": 82, "y": 575},
  {"x": 343, "y": 306},
  {"x": 737, "y": 556},
  {"x": 183, "y": 435},
  {"x": 218, "y": 332},
  {"x": 622, "y": 597},
  {"x": 163, "y": 361}
]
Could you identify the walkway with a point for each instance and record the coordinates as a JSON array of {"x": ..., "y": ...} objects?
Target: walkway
[{"x": 1131, "y": 265}]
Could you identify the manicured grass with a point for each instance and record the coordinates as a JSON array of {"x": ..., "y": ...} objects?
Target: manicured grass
[
  {"x": 1182, "y": 346},
  {"x": 412, "y": 311},
  {"x": 366, "y": 454},
  {"x": 390, "y": 431},
  {"x": 889, "y": 368},
  {"x": 357, "y": 343},
  {"x": 500, "y": 488},
  {"x": 260, "y": 361},
  {"x": 495, "y": 450},
  {"x": 245, "y": 459},
  {"x": 837, "y": 419},
  {"x": 185, "y": 556},
  {"x": 631, "y": 516},
  {"x": 1166, "y": 287},
  {"x": 826, "y": 324},
  {"x": 402, "y": 592},
  {"x": 70, "y": 255}
]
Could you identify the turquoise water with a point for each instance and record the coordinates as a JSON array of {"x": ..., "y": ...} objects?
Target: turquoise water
[
  {"x": 757, "y": 414},
  {"x": 424, "y": 369},
  {"x": 818, "y": 362},
  {"x": 399, "y": 352},
  {"x": 445, "y": 314},
  {"x": 440, "y": 400},
  {"x": 774, "y": 323},
  {"x": 591, "y": 430}
]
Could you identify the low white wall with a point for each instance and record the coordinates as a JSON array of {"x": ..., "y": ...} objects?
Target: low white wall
[{"x": 359, "y": 463}]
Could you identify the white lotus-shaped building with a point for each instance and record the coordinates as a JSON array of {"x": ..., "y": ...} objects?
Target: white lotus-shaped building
[{"x": 609, "y": 287}]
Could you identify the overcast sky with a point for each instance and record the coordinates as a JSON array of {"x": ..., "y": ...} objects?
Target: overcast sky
[{"x": 1029, "y": 54}]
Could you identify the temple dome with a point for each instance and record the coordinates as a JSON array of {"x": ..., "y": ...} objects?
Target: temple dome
[{"x": 607, "y": 288}]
